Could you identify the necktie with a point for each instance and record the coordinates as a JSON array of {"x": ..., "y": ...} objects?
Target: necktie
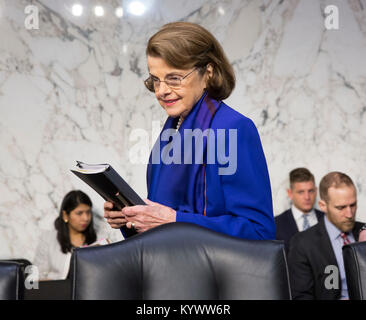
[
  {"x": 345, "y": 239},
  {"x": 306, "y": 223}
]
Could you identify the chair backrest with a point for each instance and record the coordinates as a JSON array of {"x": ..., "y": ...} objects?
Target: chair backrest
[
  {"x": 24, "y": 263},
  {"x": 354, "y": 256},
  {"x": 11, "y": 281},
  {"x": 181, "y": 261}
]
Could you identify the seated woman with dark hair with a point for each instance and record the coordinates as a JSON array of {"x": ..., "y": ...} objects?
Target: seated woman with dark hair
[{"x": 74, "y": 228}]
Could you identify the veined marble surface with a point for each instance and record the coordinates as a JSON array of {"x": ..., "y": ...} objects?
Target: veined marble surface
[{"x": 73, "y": 90}]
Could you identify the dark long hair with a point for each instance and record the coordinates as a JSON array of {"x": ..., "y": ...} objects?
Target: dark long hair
[{"x": 69, "y": 203}]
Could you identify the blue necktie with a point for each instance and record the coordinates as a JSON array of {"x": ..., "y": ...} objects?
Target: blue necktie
[{"x": 306, "y": 223}]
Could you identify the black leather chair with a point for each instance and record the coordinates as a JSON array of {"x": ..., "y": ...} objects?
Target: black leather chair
[
  {"x": 181, "y": 261},
  {"x": 11, "y": 281},
  {"x": 24, "y": 263},
  {"x": 354, "y": 256}
]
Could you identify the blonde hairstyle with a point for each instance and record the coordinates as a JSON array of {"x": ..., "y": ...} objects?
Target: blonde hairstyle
[
  {"x": 185, "y": 45},
  {"x": 333, "y": 180}
]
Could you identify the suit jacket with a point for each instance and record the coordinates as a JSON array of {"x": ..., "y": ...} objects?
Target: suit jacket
[
  {"x": 286, "y": 226},
  {"x": 309, "y": 254}
]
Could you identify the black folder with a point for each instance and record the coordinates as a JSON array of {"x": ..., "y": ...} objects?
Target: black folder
[{"x": 110, "y": 185}]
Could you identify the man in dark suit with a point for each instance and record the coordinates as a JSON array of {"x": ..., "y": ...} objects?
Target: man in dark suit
[
  {"x": 315, "y": 258},
  {"x": 302, "y": 214}
]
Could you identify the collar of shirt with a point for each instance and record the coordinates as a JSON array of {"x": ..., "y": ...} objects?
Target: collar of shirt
[
  {"x": 334, "y": 232},
  {"x": 299, "y": 217},
  {"x": 298, "y": 213}
]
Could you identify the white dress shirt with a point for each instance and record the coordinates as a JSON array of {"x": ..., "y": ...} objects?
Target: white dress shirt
[
  {"x": 51, "y": 262},
  {"x": 299, "y": 217}
]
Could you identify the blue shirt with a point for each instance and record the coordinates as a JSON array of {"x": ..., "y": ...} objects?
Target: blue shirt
[{"x": 337, "y": 244}]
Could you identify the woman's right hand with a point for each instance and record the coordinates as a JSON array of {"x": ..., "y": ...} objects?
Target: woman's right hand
[{"x": 116, "y": 219}]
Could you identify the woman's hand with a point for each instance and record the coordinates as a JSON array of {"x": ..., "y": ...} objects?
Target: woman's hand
[
  {"x": 146, "y": 217},
  {"x": 116, "y": 219}
]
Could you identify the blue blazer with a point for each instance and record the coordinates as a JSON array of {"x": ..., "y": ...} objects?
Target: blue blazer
[{"x": 240, "y": 204}]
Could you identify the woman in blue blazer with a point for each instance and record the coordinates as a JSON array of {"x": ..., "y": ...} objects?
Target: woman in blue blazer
[{"x": 207, "y": 167}]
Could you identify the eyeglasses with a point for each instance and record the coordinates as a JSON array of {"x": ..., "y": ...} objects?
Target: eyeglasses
[{"x": 153, "y": 83}]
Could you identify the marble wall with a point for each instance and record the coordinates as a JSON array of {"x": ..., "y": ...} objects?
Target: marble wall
[{"x": 72, "y": 90}]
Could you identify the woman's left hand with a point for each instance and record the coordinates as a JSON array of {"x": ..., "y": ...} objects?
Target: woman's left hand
[{"x": 150, "y": 216}]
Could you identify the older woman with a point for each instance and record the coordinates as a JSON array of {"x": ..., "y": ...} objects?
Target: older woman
[{"x": 190, "y": 76}]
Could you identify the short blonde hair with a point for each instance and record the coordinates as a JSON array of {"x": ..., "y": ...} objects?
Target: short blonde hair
[
  {"x": 186, "y": 45},
  {"x": 333, "y": 179}
]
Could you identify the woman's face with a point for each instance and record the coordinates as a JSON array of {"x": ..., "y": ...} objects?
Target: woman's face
[
  {"x": 79, "y": 218},
  {"x": 178, "y": 101}
]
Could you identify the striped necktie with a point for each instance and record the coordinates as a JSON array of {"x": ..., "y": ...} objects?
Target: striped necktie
[
  {"x": 345, "y": 238},
  {"x": 306, "y": 223}
]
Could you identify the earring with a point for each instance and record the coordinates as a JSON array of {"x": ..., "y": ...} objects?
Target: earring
[{"x": 66, "y": 221}]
